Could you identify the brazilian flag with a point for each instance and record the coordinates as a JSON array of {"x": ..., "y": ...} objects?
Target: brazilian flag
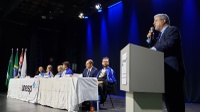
[{"x": 10, "y": 69}]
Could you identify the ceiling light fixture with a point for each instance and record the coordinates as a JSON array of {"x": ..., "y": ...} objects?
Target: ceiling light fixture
[
  {"x": 98, "y": 7},
  {"x": 81, "y": 16}
]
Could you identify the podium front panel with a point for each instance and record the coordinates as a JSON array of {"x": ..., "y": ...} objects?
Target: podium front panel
[{"x": 141, "y": 70}]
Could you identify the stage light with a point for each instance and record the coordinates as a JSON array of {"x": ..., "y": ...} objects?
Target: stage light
[
  {"x": 98, "y": 7},
  {"x": 81, "y": 15},
  {"x": 115, "y": 4}
]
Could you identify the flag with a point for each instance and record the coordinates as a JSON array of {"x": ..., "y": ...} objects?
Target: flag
[
  {"x": 10, "y": 69},
  {"x": 16, "y": 65},
  {"x": 24, "y": 66},
  {"x": 20, "y": 63}
]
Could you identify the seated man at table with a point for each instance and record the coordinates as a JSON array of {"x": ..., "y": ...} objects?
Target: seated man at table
[
  {"x": 40, "y": 72},
  {"x": 106, "y": 77},
  {"x": 60, "y": 71},
  {"x": 67, "y": 71},
  {"x": 49, "y": 73},
  {"x": 90, "y": 70}
]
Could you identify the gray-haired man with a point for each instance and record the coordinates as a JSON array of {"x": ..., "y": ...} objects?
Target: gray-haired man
[{"x": 169, "y": 42}]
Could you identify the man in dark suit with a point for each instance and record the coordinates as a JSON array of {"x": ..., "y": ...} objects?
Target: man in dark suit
[
  {"x": 90, "y": 70},
  {"x": 169, "y": 42}
]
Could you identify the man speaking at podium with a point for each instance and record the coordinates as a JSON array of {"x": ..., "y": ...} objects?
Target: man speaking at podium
[{"x": 169, "y": 42}]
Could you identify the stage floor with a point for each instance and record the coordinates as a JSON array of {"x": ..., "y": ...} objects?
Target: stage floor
[{"x": 14, "y": 105}]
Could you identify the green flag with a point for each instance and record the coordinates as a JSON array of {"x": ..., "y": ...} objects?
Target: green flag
[
  {"x": 16, "y": 65},
  {"x": 10, "y": 69}
]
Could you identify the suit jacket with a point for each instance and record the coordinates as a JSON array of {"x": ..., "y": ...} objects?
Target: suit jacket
[
  {"x": 93, "y": 72},
  {"x": 170, "y": 44}
]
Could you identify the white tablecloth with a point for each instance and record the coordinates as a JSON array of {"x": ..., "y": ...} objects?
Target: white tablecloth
[
  {"x": 67, "y": 93},
  {"x": 25, "y": 89},
  {"x": 63, "y": 93}
]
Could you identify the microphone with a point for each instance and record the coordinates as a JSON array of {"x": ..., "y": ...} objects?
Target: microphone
[
  {"x": 152, "y": 28},
  {"x": 152, "y": 35}
]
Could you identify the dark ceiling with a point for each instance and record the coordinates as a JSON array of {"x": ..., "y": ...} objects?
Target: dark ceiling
[{"x": 47, "y": 11}]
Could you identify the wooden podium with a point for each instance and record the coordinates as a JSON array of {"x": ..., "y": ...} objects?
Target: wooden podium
[{"x": 142, "y": 77}]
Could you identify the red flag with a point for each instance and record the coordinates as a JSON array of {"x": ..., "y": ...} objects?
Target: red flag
[{"x": 20, "y": 62}]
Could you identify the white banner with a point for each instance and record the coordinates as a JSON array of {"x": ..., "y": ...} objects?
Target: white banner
[{"x": 24, "y": 89}]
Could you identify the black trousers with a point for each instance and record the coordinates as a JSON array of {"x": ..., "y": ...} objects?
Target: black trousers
[
  {"x": 102, "y": 92},
  {"x": 174, "y": 90}
]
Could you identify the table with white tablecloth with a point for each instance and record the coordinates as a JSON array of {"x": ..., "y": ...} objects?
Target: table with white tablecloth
[
  {"x": 67, "y": 93},
  {"x": 63, "y": 93}
]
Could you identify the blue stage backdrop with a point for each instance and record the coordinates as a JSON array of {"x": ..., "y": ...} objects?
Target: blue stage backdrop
[
  {"x": 190, "y": 39},
  {"x": 89, "y": 40}
]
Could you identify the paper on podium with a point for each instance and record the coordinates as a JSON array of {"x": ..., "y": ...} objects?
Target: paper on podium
[{"x": 124, "y": 57}]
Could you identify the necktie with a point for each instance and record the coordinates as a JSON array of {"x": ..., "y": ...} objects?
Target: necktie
[
  {"x": 159, "y": 36},
  {"x": 88, "y": 73}
]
